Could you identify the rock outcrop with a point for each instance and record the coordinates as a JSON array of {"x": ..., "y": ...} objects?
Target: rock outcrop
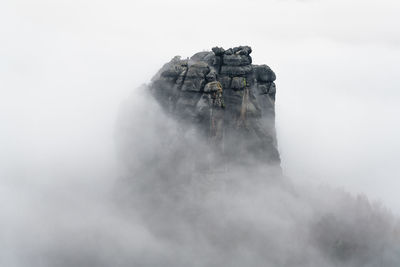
[
  {"x": 204, "y": 181},
  {"x": 230, "y": 100}
]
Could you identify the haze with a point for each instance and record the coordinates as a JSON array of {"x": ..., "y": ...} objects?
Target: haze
[{"x": 66, "y": 67}]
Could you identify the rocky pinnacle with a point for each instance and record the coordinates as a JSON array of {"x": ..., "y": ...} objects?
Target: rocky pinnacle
[{"x": 230, "y": 100}]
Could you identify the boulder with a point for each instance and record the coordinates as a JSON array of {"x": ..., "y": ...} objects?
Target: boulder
[
  {"x": 242, "y": 50},
  {"x": 229, "y": 52},
  {"x": 263, "y": 73},
  {"x": 173, "y": 71},
  {"x": 207, "y": 57},
  {"x": 236, "y": 60},
  {"x": 218, "y": 51},
  {"x": 197, "y": 70},
  {"x": 236, "y": 70}
]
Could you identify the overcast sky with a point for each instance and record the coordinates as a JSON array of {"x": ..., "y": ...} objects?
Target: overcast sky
[{"x": 67, "y": 65}]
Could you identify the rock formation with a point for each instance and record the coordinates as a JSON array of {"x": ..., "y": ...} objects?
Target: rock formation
[
  {"x": 227, "y": 98},
  {"x": 198, "y": 144}
]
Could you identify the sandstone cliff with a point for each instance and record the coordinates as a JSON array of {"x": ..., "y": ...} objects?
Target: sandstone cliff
[{"x": 227, "y": 98}]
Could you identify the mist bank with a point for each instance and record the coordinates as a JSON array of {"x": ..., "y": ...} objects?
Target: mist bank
[
  {"x": 150, "y": 212},
  {"x": 241, "y": 214}
]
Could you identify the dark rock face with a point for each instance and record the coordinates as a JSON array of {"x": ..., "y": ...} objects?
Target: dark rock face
[{"x": 230, "y": 100}]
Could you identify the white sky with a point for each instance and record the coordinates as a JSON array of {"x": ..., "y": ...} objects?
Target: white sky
[{"x": 65, "y": 67}]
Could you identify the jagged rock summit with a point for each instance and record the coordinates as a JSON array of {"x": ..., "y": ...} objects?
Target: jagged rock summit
[{"x": 230, "y": 100}]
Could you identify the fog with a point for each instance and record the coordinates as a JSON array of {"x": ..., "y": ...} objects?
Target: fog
[{"x": 67, "y": 68}]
